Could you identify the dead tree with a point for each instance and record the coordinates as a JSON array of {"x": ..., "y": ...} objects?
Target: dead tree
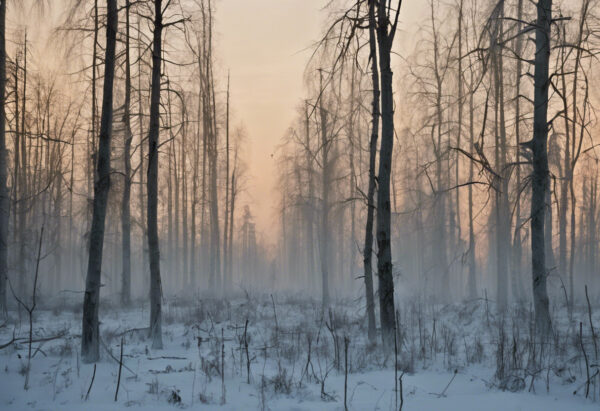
[
  {"x": 387, "y": 21},
  {"x": 152, "y": 182},
  {"x": 90, "y": 326},
  {"x": 368, "y": 246},
  {"x": 4, "y": 196},
  {"x": 126, "y": 199},
  {"x": 540, "y": 175}
]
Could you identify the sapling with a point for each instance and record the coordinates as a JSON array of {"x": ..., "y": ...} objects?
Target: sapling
[
  {"x": 346, "y": 344},
  {"x": 30, "y": 309},
  {"x": 222, "y": 368}
]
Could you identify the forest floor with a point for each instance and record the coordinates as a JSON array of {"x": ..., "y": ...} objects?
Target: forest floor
[{"x": 454, "y": 357}]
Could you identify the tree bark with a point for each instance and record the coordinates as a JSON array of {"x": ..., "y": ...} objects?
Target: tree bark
[
  {"x": 90, "y": 326},
  {"x": 4, "y": 199},
  {"x": 325, "y": 187},
  {"x": 368, "y": 247},
  {"x": 152, "y": 183},
  {"x": 539, "y": 181},
  {"x": 384, "y": 252},
  {"x": 126, "y": 199},
  {"x": 226, "y": 268},
  {"x": 517, "y": 251}
]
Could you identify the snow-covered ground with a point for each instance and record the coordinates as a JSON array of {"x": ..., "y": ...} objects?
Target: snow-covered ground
[{"x": 448, "y": 358}]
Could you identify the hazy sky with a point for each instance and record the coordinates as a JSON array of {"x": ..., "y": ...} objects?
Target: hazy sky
[{"x": 266, "y": 44}]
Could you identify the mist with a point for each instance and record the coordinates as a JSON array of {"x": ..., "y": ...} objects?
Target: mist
[{"x": 299, "y": 205}]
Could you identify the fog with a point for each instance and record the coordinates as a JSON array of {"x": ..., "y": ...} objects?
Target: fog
[{"x": 418, "y": 181}]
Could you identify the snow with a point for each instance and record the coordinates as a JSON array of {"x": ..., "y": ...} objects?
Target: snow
[{"x": 186, "y": 374}]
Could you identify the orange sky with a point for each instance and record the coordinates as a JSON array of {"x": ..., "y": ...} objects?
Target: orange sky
[{"x": 266, "y": 45}]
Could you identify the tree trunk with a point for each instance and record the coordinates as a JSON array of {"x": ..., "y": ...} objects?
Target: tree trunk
[
  {"x": 231, "y": 214},
  {"x": 142, "y": 204},
  {"x": 368, "y": 247},
  {"x": 325, "y": 187},
  {"x": 539, "y": 181},
  {"x": 472, "y": 280},
  {"x": 517, "y": 251},
  {"x": 440, "y": 244},
  {"x": 384, "y": 251},
  {"x": 226, "y": 268},
  {"x": 125, "y": 201},
  {"x": 310, "y": 255},
  {"x": 501, "y": 206},
  {"x": 152, "y": 181},
  {"x": 90, "y": 326},
  {"x": 4, "y": 199}
]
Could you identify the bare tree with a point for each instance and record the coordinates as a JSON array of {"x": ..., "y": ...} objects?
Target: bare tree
[
  {"x": 152, "y": 182},
  {"x": 4, "y": 197},
  {"x": 387, "y": 21},
  {"x": 368, "y": 246},
  {"x": 126, "y": 199},
  {"x": 90, "y": 326},
  {"x": 540, "y": 176}
]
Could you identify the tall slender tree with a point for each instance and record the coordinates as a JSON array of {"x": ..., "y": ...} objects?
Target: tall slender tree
[
  {"x": 540, "y": 176},
  {"x": 387, "y": 21},
  {"x": 4, "y": 199},
  {"x": 368, "y": 247},
  {"x": 152, "y": 182},
  {"x": 126, "y": 199},
  {"x": 90, "y": 326}
]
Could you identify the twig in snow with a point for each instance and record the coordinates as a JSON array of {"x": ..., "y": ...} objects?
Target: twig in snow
[
  {"x": 91, "y": 383},
  {"x": 443, "y": 393},
  {"x": 120, "y": 367}
]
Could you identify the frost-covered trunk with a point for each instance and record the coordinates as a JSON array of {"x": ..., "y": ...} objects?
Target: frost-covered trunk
[
  {"x": 540, "y": 180},
  {"x": 90, "y": 327},
  {"x": 152, "y": 181}
]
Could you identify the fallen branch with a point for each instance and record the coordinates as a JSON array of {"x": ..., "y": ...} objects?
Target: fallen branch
[
  {"x": 118, "y": 362},
  {"x": 443, "y": 393},
  {"x": 120, "y": 367},
  {"x": 8, "y": 343}
]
